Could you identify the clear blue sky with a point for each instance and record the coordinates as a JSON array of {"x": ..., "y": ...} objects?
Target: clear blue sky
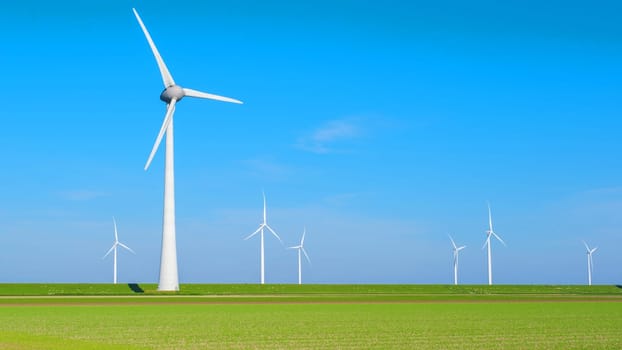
[{"x": 380, "y": 126}]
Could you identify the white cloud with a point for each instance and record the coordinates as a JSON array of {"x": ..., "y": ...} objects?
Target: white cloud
[{"x": 323, "y": 139}]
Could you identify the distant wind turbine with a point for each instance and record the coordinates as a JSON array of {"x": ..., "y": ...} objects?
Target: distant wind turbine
[
  {"x": 114, "y": 248},
  {"x": 172, "y": 94},
  {"x": 590, "y": 262},
  {"x": 490, "y": 233},
  {"x": 301, "y": 248},
  {"x": 456, "y": 249},
  {"x": 263, "y": 225}
]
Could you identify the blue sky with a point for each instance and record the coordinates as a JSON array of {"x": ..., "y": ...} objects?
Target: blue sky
[{"x": 380, "y": 126}]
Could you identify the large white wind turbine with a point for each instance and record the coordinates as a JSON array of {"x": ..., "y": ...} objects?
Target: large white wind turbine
[
  {"x": 456, "y": 249},
  {"x": 172, "y": 94},
  {"x": 490, "y": 232},
  {"x": 114, "y": 248},
  {"x": 263, "y": 225},
  {"x": 301, "y": 248},
  {"x": 590, "y": 262}
]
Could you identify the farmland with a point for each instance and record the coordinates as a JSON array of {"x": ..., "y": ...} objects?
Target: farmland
[{"x": 310, "y": 317}]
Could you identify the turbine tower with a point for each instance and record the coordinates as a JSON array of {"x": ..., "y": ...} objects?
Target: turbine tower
[
  {"x": 456, "y": 249},
  {"x": 590, "y": 263},
  {"x": 301, "y": 248},
  {"x": 114, "y": 248},
  {"x": 263, "y": 225},
  {"x": 172, "y": 94},
  {"x": 490, "y": 233}
]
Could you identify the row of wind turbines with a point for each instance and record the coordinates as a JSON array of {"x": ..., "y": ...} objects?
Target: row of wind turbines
[
  {"x": 299, "y": 247},
  {"x": 489, "y": 233},
  {"x": 264, "y": 225},
  {"x": 487, "y": 244},
  {"x": 302, "y": 251}
]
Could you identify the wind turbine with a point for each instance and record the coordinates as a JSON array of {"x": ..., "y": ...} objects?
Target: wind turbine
[
  {"x": 114, "y": 248},
  {"x": 263, "y": 225},
  {"x": 590, "y": 263},
  {"x": 172, "y": 94},
  {"x": 490, "y": 232},
  {"x": 456, "y": 249},
  {"x": 301, "y": 248}
]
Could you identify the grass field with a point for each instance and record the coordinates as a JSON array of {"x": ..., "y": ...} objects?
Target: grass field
[
  {"x": 311, "y": 317},
  {"x": 76, "y": 289}
]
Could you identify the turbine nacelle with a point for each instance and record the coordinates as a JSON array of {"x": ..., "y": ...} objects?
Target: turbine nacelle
[{"x": 172, "y": 92}]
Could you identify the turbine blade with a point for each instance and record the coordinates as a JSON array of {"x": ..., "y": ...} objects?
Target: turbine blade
[
  {"x": 487, "y": 241},
  {"x": 586, "y": 246},
  {"x": 111, "y": 249},
  {"x": 499, "y": 238},
  {"x": 254, "y": 233},
  {"x": 264, "y": 206},
  {"x": 200, "y": 94},
  {"x": 306, "y": 255},
  {"x": 452, "y": 241},
  {"x": 302, "y": 241},
  {"x": 593, "y": 250},
  {"x": 489, "y": 217},
  {"x": 126, "y": 247},
  {"x": 167, "y": 121},
  {"x": 460, "y": 248},
  {"x": 274, "y": 233},
  {"x": 116, "y": 236},
  {"x": 166, "y": 75}
]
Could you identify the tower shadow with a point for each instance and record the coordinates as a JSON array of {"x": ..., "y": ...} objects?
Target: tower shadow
[{"x": 135, "y": 288}]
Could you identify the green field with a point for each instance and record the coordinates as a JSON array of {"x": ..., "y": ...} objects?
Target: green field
[
  {"x": 310, "y": 317},
  {"x": 75, "y": 289}
]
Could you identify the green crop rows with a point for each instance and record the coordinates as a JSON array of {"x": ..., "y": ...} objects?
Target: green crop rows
[{"x": 311, "y": 317}]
